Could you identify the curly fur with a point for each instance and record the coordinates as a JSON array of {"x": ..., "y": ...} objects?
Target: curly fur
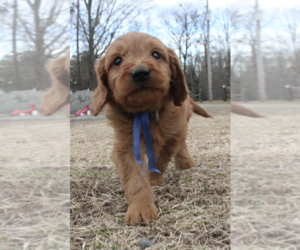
[
  {"x": 166, "y": 90},
  {"x": 58, "y": 95}
]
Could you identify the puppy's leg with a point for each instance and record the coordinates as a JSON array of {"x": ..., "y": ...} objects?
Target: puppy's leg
[
  {"x": 183, "y": 160},
  {"x": 162, "y": 161},
  {"x": 137, "y": 186},
  {"x": 156, "y": 179}
]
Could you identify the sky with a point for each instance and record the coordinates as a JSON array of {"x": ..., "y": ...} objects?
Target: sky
[
  {"x": 159, "y": 5},
  {"x": 265, "y": 4},
  {"x": 212, "y": 3},
  {"x": 24, "y": 10}
]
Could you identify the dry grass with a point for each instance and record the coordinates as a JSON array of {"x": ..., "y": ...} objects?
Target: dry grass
[
  {"x": 194, "y": 205},
  {"x": 265, "y": 178},
  {"x": 34, "y": 180}
]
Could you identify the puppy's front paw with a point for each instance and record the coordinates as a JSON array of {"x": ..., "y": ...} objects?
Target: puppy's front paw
[
  {"x": 141, "y": 212},
  {"x": 182, "y": 163},
  {"x": 156, "y": 179}
]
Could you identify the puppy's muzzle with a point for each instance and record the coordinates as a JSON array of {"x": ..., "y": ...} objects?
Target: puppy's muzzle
[{"x": 140, "y": 74}]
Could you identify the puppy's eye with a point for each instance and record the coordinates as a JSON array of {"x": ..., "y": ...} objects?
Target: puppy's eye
[
  {"x": 155, "y": 54},
  {"x": 117, "y": 61}
]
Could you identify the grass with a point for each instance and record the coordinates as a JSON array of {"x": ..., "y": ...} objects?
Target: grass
[
  {"x": 265, "y": 156},
  {"x": 34, "y": 180},
  {"x": 193, "y": 205}
]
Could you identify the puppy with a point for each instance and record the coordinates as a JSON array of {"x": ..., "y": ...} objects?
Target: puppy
[
  {"x": 140, "y": 73},
  {"x": 59, "y": 93}
]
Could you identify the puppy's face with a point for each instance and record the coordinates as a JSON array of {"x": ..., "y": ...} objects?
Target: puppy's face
[{"x": 137, "y": 71}]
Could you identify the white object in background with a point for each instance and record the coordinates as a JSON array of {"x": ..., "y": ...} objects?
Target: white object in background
[
  {"x": 35, "y": 112},
  {"x": 81, "y": 114},
  {"x": 88, "y": 112},
  {"x": 22, "y": 114},
  {"x": 34, "y": 89}
]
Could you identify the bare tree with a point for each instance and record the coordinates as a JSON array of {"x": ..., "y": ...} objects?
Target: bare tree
[
  {"x": 208, "y": 54},
  {"x": 14, "y": 41},
  {"x": 279, "y": 48},
  {"x": 244, "y": 35},
  {"x": 187, "y": 30},
  {"x": 224, "y": 38},
  {"x": 183, "y": 27},
  {"x": 77, "y": 45},
  {"x": 8, "y": 17},
  {"x": 291, "y": 42},
  {"x": 100, "y": 23},
  {"x": 259, "y": 62},
  {"x": 43, "y": 34}
]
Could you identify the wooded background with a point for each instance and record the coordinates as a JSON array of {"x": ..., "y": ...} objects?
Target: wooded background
[
  {"x": 35, "y": 31},
  {"x": 32, "y": 33},
  {"x": 280, "y": 52},
  {"x": 96, "y": 24}
]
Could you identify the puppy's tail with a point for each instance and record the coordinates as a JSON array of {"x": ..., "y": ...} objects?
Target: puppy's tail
[
  {"x": 198, "y": 110},
  {"x": 240, "y": 110}
]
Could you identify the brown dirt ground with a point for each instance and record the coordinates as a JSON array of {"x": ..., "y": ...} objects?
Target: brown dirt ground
[
  {"x": 265, "y": 187},
  {"x": 34, "y": 181},
  {"x": 194, "y": 205}
]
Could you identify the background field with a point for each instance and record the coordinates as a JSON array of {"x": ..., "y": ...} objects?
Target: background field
[
  {"x": 194, "y": 205},
  {"x": 34, "y": 181},
  {"x": 265, "y": 161}
]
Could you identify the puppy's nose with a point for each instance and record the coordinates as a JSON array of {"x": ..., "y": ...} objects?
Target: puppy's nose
[{"x": 140, "y": 74}]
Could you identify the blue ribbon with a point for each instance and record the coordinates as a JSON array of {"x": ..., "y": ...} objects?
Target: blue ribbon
[{"x": 143, "y": 118}]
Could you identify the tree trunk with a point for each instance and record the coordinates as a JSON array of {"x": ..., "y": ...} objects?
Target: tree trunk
[
  {"x": 15, "y": 55},
  {"x": 205, "y": 62},
  {"x": 77, "y": 48},
  {"x": 91, "y": 57},
  {"x": 259, "y": 62},
  {"x": 228, "y": 68},
  {"x": 40, "y": 59},
  {"x": 208, "y": 59}
]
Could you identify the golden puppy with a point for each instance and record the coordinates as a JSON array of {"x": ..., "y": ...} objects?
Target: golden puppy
[
  {"x": 59, "y": 93},
  {"x": 140, "y": 73}
]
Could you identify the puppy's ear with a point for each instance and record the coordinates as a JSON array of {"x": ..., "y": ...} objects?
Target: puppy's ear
[
  {"x": 102, "y": 91},
  {"x": 59, "y": 70},
  {"x": 178, "y": 88}
]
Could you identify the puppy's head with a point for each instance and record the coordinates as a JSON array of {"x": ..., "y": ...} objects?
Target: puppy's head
[{"x": 137, "y": 72}]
